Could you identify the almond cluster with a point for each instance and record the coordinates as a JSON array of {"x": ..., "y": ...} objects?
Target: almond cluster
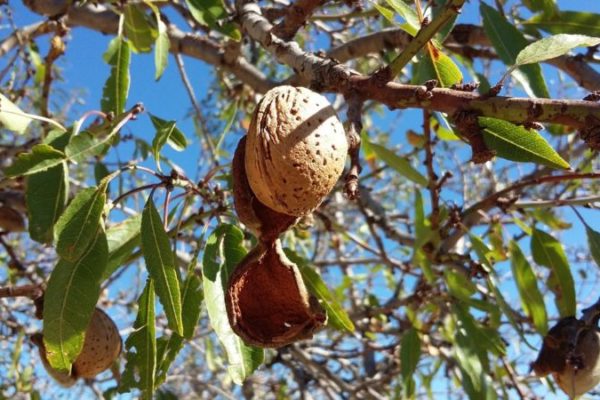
[{"x": 291, "y": 158}]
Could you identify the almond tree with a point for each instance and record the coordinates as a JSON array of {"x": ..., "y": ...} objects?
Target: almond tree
[{"x": 437, "y": 261}]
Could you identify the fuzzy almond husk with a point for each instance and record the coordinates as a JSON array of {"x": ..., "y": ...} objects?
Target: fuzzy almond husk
[
  {"x": 101, "y": 347},
  {"x": 295, "y": 151},
  {"x": 265, "y": 224},
  {"x": 575, "y": 370},
  {"x": 267, "y": 302}
]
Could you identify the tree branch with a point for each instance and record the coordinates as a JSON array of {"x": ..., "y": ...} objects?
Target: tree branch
[
  {"x": 326, "y": 74},
  {"x": 101, "y": 19},
  {"x": 295, "y": 16}
]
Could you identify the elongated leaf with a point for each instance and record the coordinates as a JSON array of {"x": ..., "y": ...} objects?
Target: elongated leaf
[
  {"x": 116, "y": 88},
  {"x": 84, "y": 146},
  {"x": 41, "y": 158},
  {"x": 212, "y": 13},
  {"x": 547, "y": 6},
  {"x": 434, "y": 64},
  {"x": 508, "y": 42},
  {"x": 168, "y": 348},
  {"x": 46, "y": 197},
  {"x": 123, "y": 238},
  {"x": 223, "y": 251},
  {"x": 531, "y": 297},
  {"x": 409, "y": 15},
  {"x": 336, "y": 315},
  {"x": 141, "y": 347},
  {"x": 166, "y": 132},
  {"x": 484, "y": 341},
  {"x": 517, "y": 143},
  {"x": 553, "y": 46},
  {"x": 160, "y": 263},
  {"x": 398, "y": 163},
  {"x": 388, "y": 14},
  {"x": 192, "y": 296},
  {"x": 69, "y": 301},
  {"x": 77, "y": 226},
  {"x": 11, "y": 116},
  {"x": 161, "y": 48},
  {"x": 548, "y": 251},
  {"x": 459, "y": 285},
  {"x": 578, "y": 22},
  {"x": 593, "y": 243},
  {"x": 140, "y": 29},
  {"x": 410, "y": 352}
]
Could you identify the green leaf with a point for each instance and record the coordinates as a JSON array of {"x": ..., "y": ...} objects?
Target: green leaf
[
  {"x": 387, "y": 14},
  {"x": 336, "y": 315},
  {"x": 139, "y": 28},
  {"x": 11, "y": 116},
  {"x": 484, "y": 341},
  {"x": 161, "y": 48},
  {"x": 548, "y": 251},
  {"x": 168, "y": 348},
  {"x": 69, "y": 301},
  {"x": 593, "y": 243},
  {"x": 546, "y": 6},
  {"x": 212, "y": 13},
  {"x": 400, "y": 164},
  {"x": 46, "y": 196},
  {"x": 46, "y": 193},
  {"x": 84, "y": 146},
  {"x": 434, "y": 64},
  {"x": 483, "y": 251},
  {"x": 223, "y": 251},
  {"x": 116, "y": 88},
  {"x": 508, "y": 42},
  {"x": 553, "y": 46},
  {"x": 459, "y": 285},
  {"x": 41, "y": 158},
  {"x": 517, "y": 143},
  {"x": 577, "y": 22},
  {"x": 160, "y": 264},
  {"x": 123, "y": 239},
  {"x": 408, "y": 14},
  {"x": 531, "y": 297},
  {"x": 141, "y": 363},
  {"x": 410, "y": 352},
  {"x": 78, "y": 225},
  {"x": 166, "y": 132}
]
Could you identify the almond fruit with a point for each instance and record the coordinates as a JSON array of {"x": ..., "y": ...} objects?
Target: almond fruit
[
  {"x": 265, "y": 223},
  {"x": 295, "y": 151},
  {"x": 571, "y": 353},
  {"x": 267, "y": 302},
  {"x": 101, "y": 347}
]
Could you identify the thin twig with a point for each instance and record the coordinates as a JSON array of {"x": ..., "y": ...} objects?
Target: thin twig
[{"x": 188, "y": 87}]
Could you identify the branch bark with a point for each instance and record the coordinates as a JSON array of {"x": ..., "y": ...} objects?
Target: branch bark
[
  {"x": 295, "y": 16},
  {"x": 326, "y": 74}
]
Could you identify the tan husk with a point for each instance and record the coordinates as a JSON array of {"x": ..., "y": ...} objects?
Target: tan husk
[
  {"x": 267, "y": 302},
  {"x": 575, "y": 370},
  {"x": 101, "y": 347},
  {"x": 265, "y": 223},
  {"x": 295, "y": 151}
]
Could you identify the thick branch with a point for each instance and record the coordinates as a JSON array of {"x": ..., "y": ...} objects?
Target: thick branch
[
  {"x": 295, "y": 16},
  {"x": 463, "y": 36},
  {"x": 328, "y": 75},
  {"x": 101, "y": 19}
]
